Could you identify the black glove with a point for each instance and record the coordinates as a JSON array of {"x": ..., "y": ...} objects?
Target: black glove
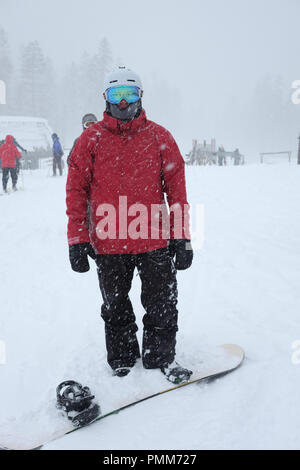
[
  {"x": 182, "y": 250},
  {"x": 79, "y": 257}
]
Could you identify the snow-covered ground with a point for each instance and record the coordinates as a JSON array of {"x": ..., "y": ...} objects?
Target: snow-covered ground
[{"x": 242, "y": 288}]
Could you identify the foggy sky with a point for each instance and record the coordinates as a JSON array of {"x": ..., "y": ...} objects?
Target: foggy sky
[{"x": 211, "y": 51}]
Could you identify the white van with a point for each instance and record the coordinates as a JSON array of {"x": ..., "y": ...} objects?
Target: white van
[{"x": 31, "y": 133}]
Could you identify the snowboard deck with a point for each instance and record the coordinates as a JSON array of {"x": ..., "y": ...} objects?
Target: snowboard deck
[{"x": 230, "y": 358}]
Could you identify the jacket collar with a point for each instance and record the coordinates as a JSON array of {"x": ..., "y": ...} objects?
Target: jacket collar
[{"x": 120, "y": 127}]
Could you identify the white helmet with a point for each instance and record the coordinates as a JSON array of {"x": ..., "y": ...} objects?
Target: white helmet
[{"x": 122, "y": 76}]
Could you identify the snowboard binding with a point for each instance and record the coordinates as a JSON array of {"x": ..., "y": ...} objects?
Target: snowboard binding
[
  {"x": 77, "y": 402},
  {"x": 177, "y": 374}
]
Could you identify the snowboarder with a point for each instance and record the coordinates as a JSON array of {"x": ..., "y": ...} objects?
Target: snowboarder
[
  {"x": 87, "y": 121},
  {"x": 127, "y": 157},
  {"x": 9, "y": 154},
  {"x": 57, "y": 154}
]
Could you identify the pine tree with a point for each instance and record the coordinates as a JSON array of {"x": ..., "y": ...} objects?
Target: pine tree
[
  {"x": 104, "y": 57},
  {"x": 33, "y": 73},
  {"x": 98, "y": 67},
  {"x": 49, "y": 108},
  {"x": 72, "y": 103},
  {"x": 81, "y": 89}
]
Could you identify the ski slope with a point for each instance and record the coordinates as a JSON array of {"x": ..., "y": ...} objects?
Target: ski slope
[{"x": 242, "y": 288}]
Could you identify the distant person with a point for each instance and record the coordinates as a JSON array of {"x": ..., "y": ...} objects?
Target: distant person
[
  {"x": 2, "y": 142},
  {"x": 221, "y": 156},
  {"x": 236, "y": 157},
  {"x": 87, "y": 121},
  {"x": 9, "y": 154},
  {"x": 57, "y": 154},
  {"x": 16, "y": 144}
]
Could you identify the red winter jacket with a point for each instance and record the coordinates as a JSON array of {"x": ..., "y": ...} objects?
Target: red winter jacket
[
  {"x": 9, "y": 153},
  {"x": 115, "y": 165}
]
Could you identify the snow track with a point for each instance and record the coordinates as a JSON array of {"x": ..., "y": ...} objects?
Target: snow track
[{"x": 243, "y": 288}]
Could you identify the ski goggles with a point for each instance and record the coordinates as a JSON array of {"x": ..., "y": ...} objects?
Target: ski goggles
[
  {"x": 88, "y": 124},
  {"x": 116, "y": 94}
]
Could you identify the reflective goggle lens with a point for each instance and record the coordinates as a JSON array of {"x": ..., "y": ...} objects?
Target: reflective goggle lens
[
  {"x": 88, "y": 124},
  {"x": 116, "y": 94}
]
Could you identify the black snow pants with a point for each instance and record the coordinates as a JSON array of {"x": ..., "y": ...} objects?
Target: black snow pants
[
  {"x": 57, "y": 162},
  {"x": 5, "y": 177},
  {"x": 159, "y": 299}
]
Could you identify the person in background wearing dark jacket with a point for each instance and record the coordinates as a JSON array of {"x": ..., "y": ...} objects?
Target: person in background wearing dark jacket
[
  {"x": 57, "y": 154},
  {"x": 236, "y": 157},
  {"x": 87, "y": 121},
  {"x": 9, "y": 154},
  {"x": 221, "y": 156}
]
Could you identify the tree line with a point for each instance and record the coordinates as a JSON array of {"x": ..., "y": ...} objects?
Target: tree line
[
  {"x": 264, "y": 120},
  {"x": 33, "y": 87}
]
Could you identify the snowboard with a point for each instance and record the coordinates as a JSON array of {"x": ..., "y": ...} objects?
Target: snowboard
[{"x": 25, "y": 436}]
